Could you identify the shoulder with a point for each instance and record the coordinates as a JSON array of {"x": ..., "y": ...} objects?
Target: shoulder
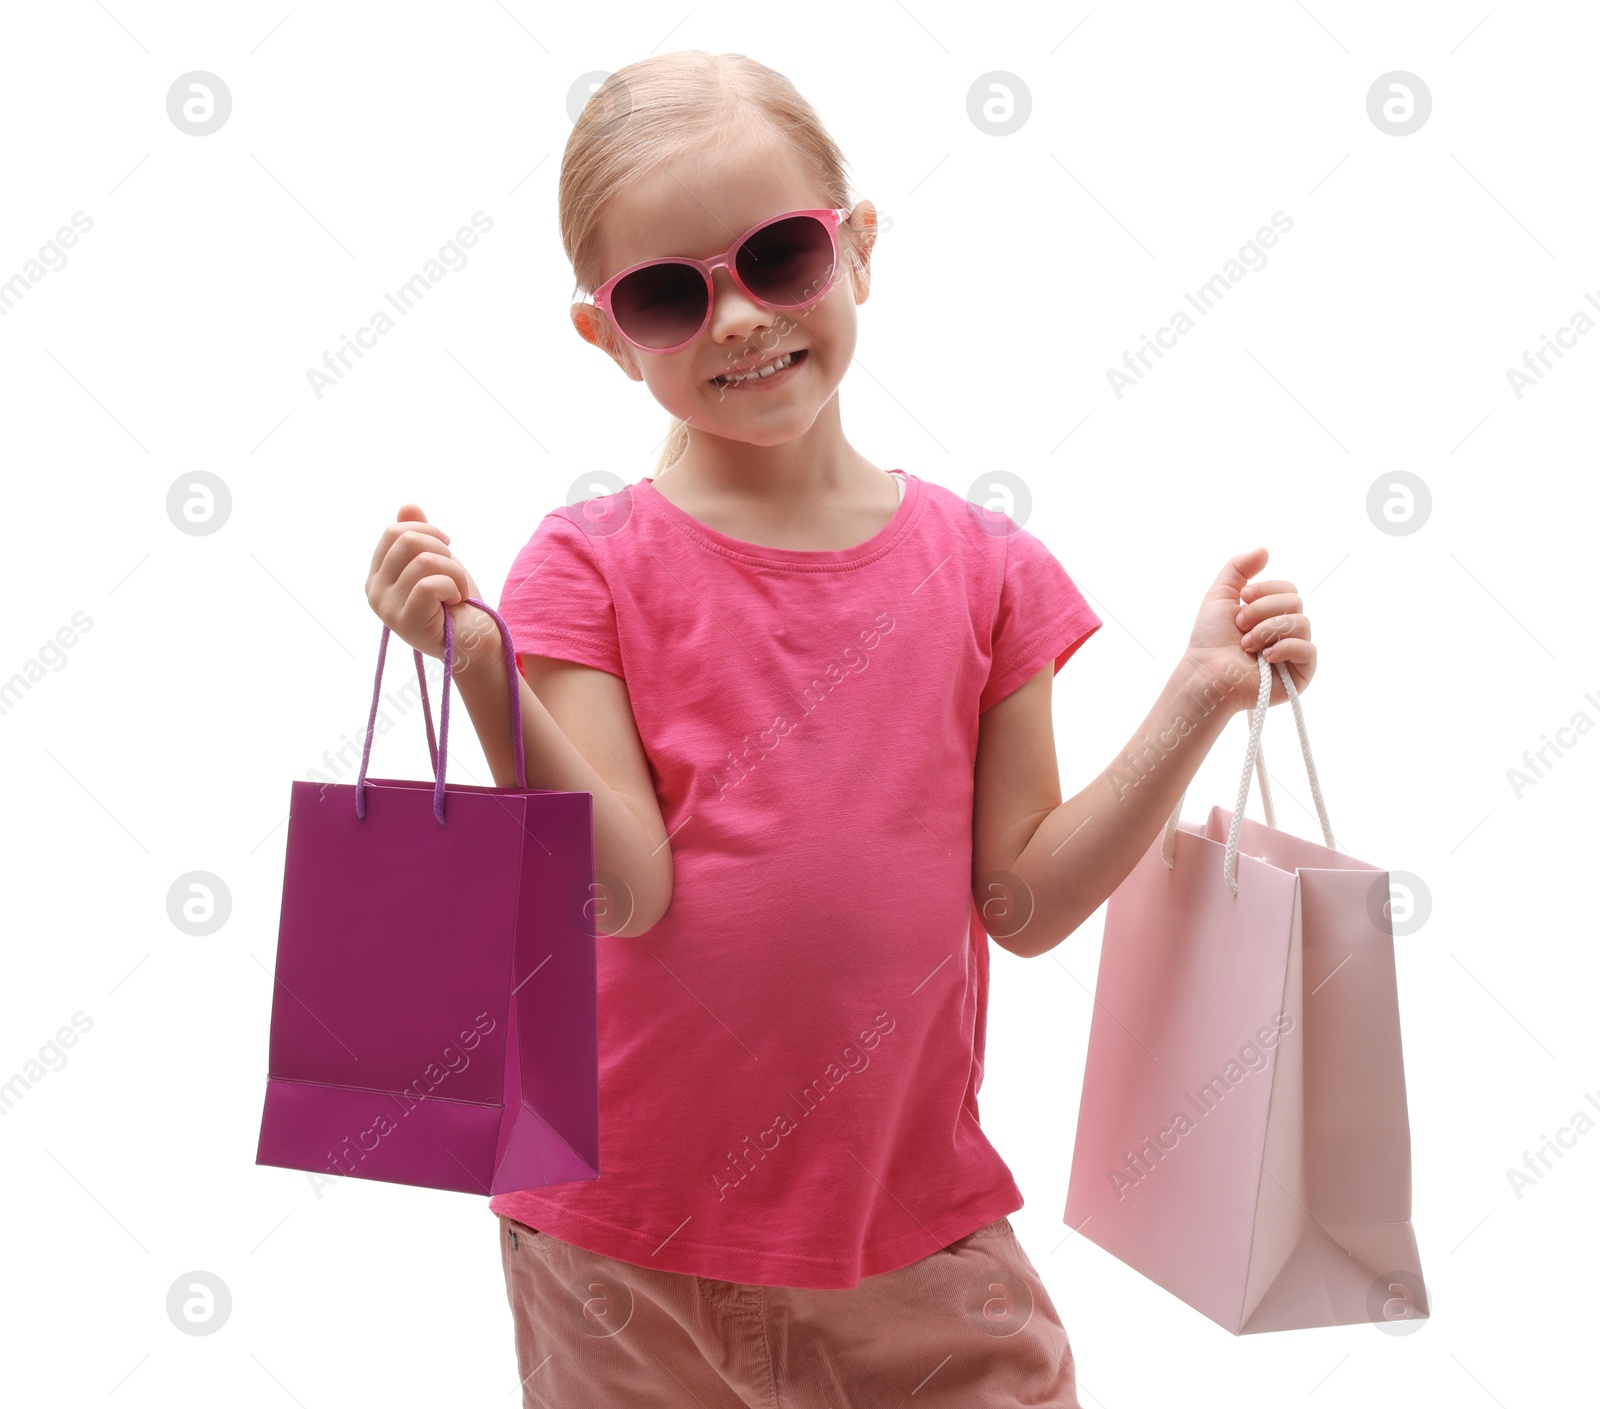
[
  {"x": 576, "y": 530},
  {"x": 983, "y": 527},
  {"x": 609, "y": 527},
  {"x": 560, "y": 554}
]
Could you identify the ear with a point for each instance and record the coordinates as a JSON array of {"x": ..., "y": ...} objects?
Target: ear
[
  {"x": 863, "y": 234},
  {"x": 593, "y": 328}
]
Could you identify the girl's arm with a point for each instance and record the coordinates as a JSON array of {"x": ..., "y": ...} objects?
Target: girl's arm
[
  {"x": 578, "y": 735},
  {"x": 1040, "y": 866}
]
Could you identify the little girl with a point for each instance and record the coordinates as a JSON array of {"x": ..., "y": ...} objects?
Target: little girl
[{"x": 811, "y": 699}]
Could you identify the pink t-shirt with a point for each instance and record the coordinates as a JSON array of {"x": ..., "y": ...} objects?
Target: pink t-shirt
[{"x": 790, "y": 1059}]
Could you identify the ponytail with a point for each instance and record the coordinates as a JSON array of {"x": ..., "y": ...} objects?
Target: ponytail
[{"x": 676, "y": 443}]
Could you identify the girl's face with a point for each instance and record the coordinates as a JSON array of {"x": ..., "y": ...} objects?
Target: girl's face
[{"x": 694, "y": 208}]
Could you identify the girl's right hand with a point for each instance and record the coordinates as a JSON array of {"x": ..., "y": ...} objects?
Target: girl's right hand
[{"x": 414, "y": 579}]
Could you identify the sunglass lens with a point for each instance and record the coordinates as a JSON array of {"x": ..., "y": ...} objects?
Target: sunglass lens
[
  {"x": 788, "y": 262},
  {"x": 660, "y": 306}
]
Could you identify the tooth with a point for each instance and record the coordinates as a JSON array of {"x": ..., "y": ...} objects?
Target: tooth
[{"x": 770, "y": 370}]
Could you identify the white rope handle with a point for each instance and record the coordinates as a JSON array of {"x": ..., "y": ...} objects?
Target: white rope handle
[{"x": 1253, "y": 760}]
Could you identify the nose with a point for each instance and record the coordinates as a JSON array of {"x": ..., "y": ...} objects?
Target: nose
[{"x": 733, "y": 312}]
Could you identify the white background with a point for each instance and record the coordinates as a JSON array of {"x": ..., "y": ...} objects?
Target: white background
[{"x": 1013, "y": 272}]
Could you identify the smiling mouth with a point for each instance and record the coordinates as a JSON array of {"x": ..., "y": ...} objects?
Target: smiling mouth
[{"x": 779, "y": 364}]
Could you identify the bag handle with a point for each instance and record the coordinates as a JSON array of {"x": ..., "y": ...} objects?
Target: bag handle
[
  {"x": 1253, "y": 760},
  {"x": 439, "y": 752}
]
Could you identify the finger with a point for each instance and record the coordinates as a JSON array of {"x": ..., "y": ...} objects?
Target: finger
[
  {"x": 428, "y": 593},
  {"x": 400, "y": 540},
  {"x": 425, "y": 595},
  {"x": 412, "y": 514},
  {"x": 395, "y": 532},
  {"x": 432, "y": 567},
  {"x": 1298, "y": 655},
  {"x": 1237, "y": 571},
  {"x": 1256, "y": 612},
  {"x": 1251, "y": 591},
  {"x": 1276, "y": 628},
  {"x": 1295, "y": 648}
]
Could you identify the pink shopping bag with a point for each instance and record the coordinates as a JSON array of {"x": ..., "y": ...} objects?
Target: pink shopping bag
[
  {"x": 433, "y": 1012},
  {"x": 1243, "y": 1137}
]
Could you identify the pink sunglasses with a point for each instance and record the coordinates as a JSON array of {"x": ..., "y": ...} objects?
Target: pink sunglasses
[{"x": 786, "y": 263}]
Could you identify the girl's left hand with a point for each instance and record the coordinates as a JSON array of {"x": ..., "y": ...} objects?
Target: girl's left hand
[{"x": 1240, "y": 618}]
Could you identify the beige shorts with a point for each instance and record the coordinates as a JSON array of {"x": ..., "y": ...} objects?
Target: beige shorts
[{"x": 968, "y": 1327}]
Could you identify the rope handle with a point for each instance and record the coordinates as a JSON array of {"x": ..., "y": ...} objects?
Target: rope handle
[
  {"x": 439, "y": 753},
  {"x": 1253, "y": 759}
]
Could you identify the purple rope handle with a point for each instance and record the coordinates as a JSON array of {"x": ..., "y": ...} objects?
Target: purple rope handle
[{"x": 438, "y": 752}]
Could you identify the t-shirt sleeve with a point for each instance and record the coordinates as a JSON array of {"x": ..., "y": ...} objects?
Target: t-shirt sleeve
[
  {"x": 1042, "y": 617},
  {"x": 556, "y": 601}
]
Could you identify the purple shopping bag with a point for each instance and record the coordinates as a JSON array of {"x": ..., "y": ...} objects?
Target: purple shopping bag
[{"x": 433, "y": 1010}]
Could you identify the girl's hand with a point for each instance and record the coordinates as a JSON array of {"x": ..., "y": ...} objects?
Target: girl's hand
[
  {"x": 1238, "y": 618},
  {"x": 414, "y": 579}
]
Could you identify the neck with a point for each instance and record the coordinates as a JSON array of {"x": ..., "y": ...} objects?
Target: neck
[{"x": 813, "y": 465}]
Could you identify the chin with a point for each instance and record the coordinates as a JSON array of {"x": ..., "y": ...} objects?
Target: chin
[{"x": 768, "y": 435}]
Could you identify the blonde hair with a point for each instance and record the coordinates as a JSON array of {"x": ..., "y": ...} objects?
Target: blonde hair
[{"x": 654, "y": 110}]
